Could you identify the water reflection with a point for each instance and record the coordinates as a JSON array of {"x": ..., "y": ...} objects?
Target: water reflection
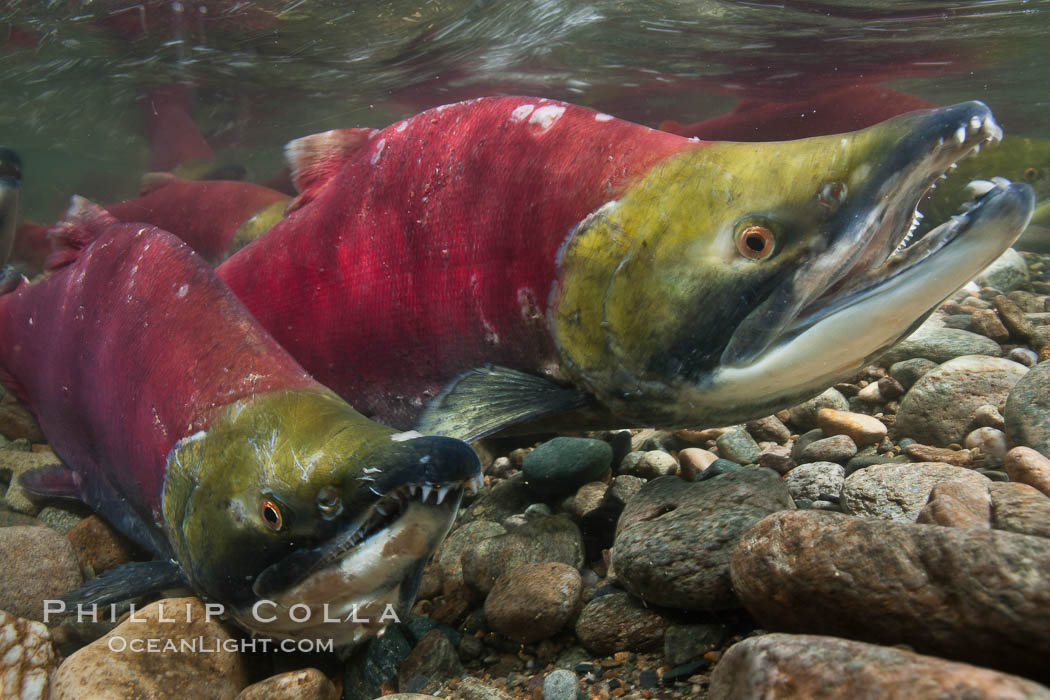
[{"x": 73, "y": 72}]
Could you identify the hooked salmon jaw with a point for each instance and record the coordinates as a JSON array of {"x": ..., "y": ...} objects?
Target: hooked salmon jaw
[{"x": 366, "y": 577}]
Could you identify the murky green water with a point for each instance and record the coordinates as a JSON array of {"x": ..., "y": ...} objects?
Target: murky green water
[{"x": 72, "y": 72}]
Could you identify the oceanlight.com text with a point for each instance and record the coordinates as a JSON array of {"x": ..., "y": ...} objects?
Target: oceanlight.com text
[{"x": 204, "y": 645}]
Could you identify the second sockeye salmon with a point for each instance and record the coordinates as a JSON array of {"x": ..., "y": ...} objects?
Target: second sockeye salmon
[{"x": 506, "y": 259}]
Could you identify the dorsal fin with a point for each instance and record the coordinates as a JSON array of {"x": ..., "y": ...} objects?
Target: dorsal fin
[
  {"x": 151, "y": 182},
  {"x": 315, "y": 159},
  {"x": 84, "y": 222}
]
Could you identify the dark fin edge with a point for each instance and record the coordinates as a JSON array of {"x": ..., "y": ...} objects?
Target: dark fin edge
[
  {"x": 84, "y": 222},
  {"x": 487, "y": 399},
  {"x": 127, "y": 581}
]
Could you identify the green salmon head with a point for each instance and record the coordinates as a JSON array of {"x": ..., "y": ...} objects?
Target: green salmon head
[
  {"x": 306, "y": 520},
  {"x": 735, "y": 279}
]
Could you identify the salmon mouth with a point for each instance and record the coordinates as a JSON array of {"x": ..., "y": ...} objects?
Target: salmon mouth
[{"x": 871, "y": 234}]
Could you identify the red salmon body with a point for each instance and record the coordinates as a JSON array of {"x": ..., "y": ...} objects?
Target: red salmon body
[
  {"x": 427, "y": 248},
  {"x": 115, "y": 340}
]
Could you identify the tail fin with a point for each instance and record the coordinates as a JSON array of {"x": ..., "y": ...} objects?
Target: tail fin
[{"x": 84, "y": 222}]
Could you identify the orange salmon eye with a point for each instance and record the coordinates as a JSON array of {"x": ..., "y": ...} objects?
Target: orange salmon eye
[
  {"x": 271, "y": 514},
  {"x": 755, "y": 242},
  {"x": 1031, "y": 174}
]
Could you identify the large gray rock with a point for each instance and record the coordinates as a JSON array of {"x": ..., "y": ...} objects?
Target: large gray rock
[
  {"x": 939, "y": 408},
  {"x": 1007, "y": 273},
  {"x": 1027, "y": 411},
  {"x": 547, "y": 539},
  {"x": 964, "y": 593},
  {"x": 674, "y": 538},
  {"x": 775, "y": 666},
  {"x": 899, "y": 491},
  {"x": 940, "y": 345}
]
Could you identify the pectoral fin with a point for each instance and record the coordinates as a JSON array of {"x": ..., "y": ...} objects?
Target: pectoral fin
[
  {"x": 487, "y": 399},
  {"x": 127, "y": 581},
  {"x": 53, "y": 481}
]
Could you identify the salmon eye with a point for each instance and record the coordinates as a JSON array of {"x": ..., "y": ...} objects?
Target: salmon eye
[
  {"x": 271, "y": 514},
  {"x": 1031, "y": 174},
  {"x": 755, "y": 242}
]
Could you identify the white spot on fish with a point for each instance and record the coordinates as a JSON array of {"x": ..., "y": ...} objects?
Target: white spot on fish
[
  {"x": 407, "y": 435},
  {"x": 182, "y": 291},
  {"x": 401, "y": 126},
  {"x": 546, "y": 116},
  {"x": 521, "y": 113},
  {"x": 379, "y": 151},
  {"x": 602, "y": 117}
]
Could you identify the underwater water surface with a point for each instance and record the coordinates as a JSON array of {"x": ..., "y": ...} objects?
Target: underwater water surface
[{"x": 73, "y": 73}]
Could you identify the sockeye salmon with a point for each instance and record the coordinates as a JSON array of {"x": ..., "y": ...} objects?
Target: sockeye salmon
[
  {"x": 215, "y": 217},
  {"x": 502, "y": 260},
  {"x": 188, "y": 427}
]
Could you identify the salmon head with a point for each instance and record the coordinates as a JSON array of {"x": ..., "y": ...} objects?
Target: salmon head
[
  {"x": 308, "y": 521},
  {"x": 736, "y": 279}
]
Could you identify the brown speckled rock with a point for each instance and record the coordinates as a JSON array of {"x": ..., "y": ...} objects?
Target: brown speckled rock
[
  {"x": 1019, "y": 508},
  {"x": 27, "y": 658},
  {"x": 776, "y": 666},
  {"x": 964, "y": 593},
  {"x": 38, "y": 564},
  {"x": 98, "y": 546},
  {"x": 958, "y": 504},
  {"x": 1027, "y": 466},
  {"x": 433, "y": 658},
  {"x": 13, "y": 463},
  {"x": 17, "y": 422},
  {"x": 304, "y": 684},
  {"x": 618, "y": 622},
  {"x": 100, "y": 672},
  {"x": 899, "y": 491},
  {"x": 534, "y": 601}
]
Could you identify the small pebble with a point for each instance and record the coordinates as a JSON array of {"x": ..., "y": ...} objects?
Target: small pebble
[
  {"x": 907, "y": 372},
  {"x": 655, "y": 463},
  {"x": 926, "y": 453},
  {"x": 694, "y": 460},
  {"x": 987, "y": 323},
  {"x": 738, "y": 446},
  {"x": 988, "y": 416},
  {"x": 837, "y": 448},
  {"x": 863, "y": 430},
  {"x": 991, "y": 442},
  {"x": 560, "y": 685},
  {"x": 1027, "y": 466},
  {"x": 1024, "y": 356},
  {"x": 769, "y": 428}
]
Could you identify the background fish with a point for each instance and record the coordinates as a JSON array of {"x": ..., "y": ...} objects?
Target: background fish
[
  {"x": 641, "y": 277},
  {"x": 10, "y": 197},
  {"x": 195, "y": 434}
]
